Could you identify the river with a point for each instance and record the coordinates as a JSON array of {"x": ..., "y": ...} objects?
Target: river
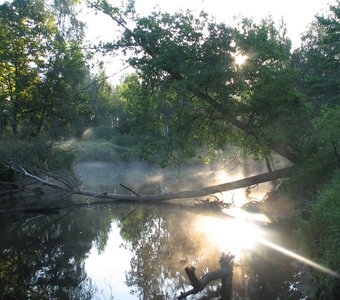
[{"x": 140, "y": 251}]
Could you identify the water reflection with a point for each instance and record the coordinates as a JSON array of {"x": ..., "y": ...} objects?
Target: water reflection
[
  {"x": 102, "y": 254},
  {"x": 234, "y": 235},
  {"x": 107, "y": 268}
]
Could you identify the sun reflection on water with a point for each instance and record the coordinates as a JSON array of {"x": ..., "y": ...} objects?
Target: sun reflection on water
[
  {"x": 232, "y": 235},
  {"x": 240, "y": 234}
]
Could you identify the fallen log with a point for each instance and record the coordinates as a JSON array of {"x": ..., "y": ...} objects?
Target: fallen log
[
  {"x": 160, "y": 197},
  {"x": 225, "y": 273}
]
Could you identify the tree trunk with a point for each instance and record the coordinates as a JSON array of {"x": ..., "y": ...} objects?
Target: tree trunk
[
  {"x": 283, "y": 150},
  {"x": 63, "y": 185},
  {"x": 196, "y": 193}
]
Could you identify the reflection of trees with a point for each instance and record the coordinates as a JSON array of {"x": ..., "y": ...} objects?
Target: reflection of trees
[
  {"x": 264, "y": 274},
  {"x": 43, "y": 257},
  {"x": 163, "y": 244}
]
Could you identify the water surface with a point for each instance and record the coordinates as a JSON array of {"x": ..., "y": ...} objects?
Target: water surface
[{"x": 138, "y": 251}]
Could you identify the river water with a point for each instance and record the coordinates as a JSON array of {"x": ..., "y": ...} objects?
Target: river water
[{"x": 140, "y": 251}]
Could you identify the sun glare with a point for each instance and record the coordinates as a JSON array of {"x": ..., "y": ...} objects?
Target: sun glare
[
  {"x": 240, "y": 234},
  {"x": 246, "y": 216},
  {"x": 240, "y": 59},
  {"x": 230, "y": 235}
]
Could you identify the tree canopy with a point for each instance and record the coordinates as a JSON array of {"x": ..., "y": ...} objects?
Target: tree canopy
[
  {"x": 45, "y": 77},
  {"x": 190, "y": 95},
  {"x": 198, "y": 93}
]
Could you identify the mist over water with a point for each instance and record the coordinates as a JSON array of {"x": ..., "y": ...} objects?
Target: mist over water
[
  {"x": 136, "y": 252},
  {"x": 147, "y": 178}
]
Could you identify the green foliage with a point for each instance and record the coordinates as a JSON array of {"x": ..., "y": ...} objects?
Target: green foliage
[
  {"x": 190, "y": 92},
  {"x": 42, "y": 70},
  {"x": 36, "y": 157},
  {"x": 100, "y": 151},
  {"x": 320, "y": 232},
  {"x": 318, "y": 60},
  {"x": 320, "y": 155},
  {"x": 26, "y": 32}
]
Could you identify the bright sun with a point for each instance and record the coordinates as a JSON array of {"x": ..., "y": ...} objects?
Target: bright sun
[
  {"x": 230, "y": 235},
  {"x": 240, "y": 59},
  {"x": 239, "y": 234}
]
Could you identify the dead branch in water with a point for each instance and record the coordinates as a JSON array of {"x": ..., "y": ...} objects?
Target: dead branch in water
[
  {"x": 63, "y": 185},
  {"x": 225, "y": 273}
]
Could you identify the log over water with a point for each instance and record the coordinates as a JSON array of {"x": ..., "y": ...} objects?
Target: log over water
[{"x": 61, "y": 185}]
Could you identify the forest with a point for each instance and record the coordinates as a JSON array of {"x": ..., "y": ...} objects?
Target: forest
[{"x": 199, "y": 88}]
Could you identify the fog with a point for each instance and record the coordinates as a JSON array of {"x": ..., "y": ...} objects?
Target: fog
[{"x": 147, "y": 178}]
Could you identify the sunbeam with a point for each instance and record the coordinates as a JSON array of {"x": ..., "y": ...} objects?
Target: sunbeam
[
  {"x": 240, "y": 234},
  {"x": 298, "y": 257}
]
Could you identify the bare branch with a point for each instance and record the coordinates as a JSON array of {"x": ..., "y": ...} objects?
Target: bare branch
[
  {"x": 132, "y": 191},
  {"x": 225, "y": 274},
  {"x": 210, "y": 190}
]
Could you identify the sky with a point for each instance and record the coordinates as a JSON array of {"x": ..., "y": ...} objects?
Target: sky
[{"x": 296, "y": 14}]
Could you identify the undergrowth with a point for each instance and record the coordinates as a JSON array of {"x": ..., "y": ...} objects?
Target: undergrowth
[
  {"x": 320, "y": 233},
  {"x": 35, "y": 156},
  {"x": 99, "y": 150}
]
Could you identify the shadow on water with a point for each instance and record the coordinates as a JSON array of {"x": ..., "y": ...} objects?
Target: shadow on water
[{"x": 136, "y": 252}]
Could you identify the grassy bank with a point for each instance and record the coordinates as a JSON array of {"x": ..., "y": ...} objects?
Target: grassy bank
[
  {"x": 320, "y": 234},
  {"x": 36, "y": 156}
]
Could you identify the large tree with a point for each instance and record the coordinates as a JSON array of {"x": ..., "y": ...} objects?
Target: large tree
[
  {"x": 42, "y": 68},
  {"x": 25, "y": 29},
  {"x": 317, "y": 60},
  {"x": 198, "y": 93}
]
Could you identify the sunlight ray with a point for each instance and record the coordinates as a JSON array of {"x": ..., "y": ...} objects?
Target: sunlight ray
[
  {"x": 241, "y": 233},
  {"x": 298, "y": 257},
  {"x": 246, "y": 216}
]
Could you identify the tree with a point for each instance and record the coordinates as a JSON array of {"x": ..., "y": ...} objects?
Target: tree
[
  {"x": 25, "y": 33},
  {"x": 43, "y": 69},
  {"x": 103, "y": 101},
  {"x": 317, "y": 60},
  {"x": 318, "y": 68},
  {"x": 61, "y": 106},
  {"x": 189, "y": 62}
]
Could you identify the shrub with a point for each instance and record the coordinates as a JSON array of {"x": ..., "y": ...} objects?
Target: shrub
[
  {"x": 320, "y": 232},
  {"x": 104, "y": 132},
  {"x": 35, "y": 156}
]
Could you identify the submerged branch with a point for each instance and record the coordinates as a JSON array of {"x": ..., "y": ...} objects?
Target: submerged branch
[{"x": 225, "y": 273}]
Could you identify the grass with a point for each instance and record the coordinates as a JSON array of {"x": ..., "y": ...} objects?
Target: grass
[
  {"x": 320, "y": 232},
  {"x": 35, "y": 155}
]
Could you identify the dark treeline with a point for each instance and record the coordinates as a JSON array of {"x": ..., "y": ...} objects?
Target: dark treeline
[{"x": 189, "y": 96}]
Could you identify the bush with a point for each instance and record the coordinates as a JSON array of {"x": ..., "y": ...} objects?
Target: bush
[
  {"x": 104, "y": 132},
  {"x": 101, "y": 151},
  {"x": 35, "y": 156},
  {"x": 127, "y": 140},
  {"x": 320, "y": 232}
]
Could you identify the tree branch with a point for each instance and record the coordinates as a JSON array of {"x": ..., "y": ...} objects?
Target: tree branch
[
  {"x": 163, "y": 197},
  {"x": 225, "y": 273}
]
